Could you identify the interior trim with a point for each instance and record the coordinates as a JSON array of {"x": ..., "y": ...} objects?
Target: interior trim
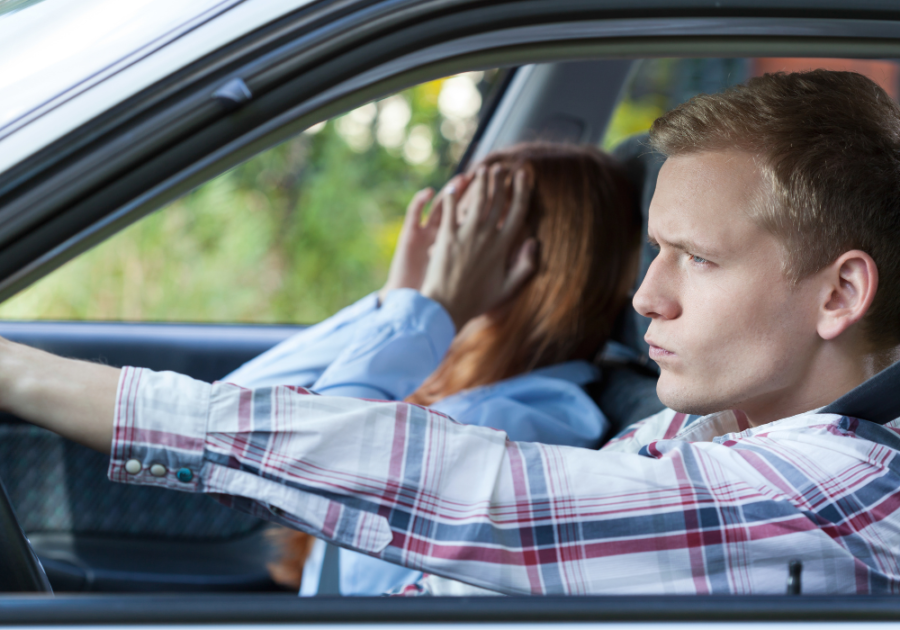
[{"x": 235, "y": 608}]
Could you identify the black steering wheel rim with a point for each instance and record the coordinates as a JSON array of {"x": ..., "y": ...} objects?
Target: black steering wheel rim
[{"x": 22, "y": 572}]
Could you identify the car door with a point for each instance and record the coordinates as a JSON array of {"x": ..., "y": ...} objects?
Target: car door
[
  {"x": 284, "y": 240},
  {"x": 181, "y": 158},
  {"x": 97, "y": 536},
  {"x": 200, "y": 287}
]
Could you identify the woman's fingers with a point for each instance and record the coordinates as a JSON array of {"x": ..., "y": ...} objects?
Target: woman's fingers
[
  {"x": 470, "y": 270},
  {"x": 433, "y": 222},
  {"x": 498, "y": 197},
  {"x": 524, "y": 265},
  {"x": 459, "y": 183},
  {"x": 478, "y": 199},
  {"x": 448, "y": 210},
  {"x": 415, "y": 207},
  {"x": 411, "y": 254},
  {"x": 462, "y": 182},
  {"x": 518, "y": 209}
]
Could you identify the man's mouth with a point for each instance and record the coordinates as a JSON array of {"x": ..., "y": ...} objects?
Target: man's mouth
[{"x": 658, "y": 352}]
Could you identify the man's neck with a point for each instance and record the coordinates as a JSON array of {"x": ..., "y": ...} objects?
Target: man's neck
[{"x": 826, "y": 379}]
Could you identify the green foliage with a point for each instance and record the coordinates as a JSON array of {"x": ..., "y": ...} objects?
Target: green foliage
[
  {"x": 8, "y": 7},
  {"x": 292, "y": 235}
]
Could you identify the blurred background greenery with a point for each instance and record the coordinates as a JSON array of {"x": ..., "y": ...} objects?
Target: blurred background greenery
[{"x": 290, "y": 236}]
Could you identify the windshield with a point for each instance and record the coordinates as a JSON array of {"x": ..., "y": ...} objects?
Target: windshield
[{"x": 52, "y": 49}]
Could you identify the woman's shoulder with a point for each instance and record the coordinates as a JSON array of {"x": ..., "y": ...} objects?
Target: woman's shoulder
[
  {"x": 547, "y": 405},
  {"x": 562, "y": 380},
  {"x": 577, "y": 372}
]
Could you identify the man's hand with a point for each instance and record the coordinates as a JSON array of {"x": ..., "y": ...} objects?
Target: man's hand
[
  {"x": 411, "y": 256},
  {"x": 471, "y": 270}
]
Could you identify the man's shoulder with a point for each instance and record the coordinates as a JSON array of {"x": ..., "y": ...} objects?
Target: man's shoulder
[
  {"x": 732, "y": 426},
  {"x": 654, "y": 427},
  {"x": 827, "y": 426}
]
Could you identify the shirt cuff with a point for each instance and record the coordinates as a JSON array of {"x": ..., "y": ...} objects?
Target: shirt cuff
[
  {"x": 147, "y": 447},
  {"x": 172, "y": 431}
]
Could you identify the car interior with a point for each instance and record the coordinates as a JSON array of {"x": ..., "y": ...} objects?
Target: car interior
[{"x": 92, "y": 535}]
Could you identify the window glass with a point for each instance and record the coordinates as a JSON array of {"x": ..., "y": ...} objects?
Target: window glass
[
  {"x": 658, "y": 85},
  {"x": 50, "y": 46},
  {"x": 290, "y": 236}
]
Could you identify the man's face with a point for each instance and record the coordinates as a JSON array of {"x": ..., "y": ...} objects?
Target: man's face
[{"x": 728, "y": 330}]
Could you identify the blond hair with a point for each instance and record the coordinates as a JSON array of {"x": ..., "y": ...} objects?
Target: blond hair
[{"x": 828, "y": 146}]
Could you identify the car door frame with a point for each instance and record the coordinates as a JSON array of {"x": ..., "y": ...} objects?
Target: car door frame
[{"x": 228, "y": 134}]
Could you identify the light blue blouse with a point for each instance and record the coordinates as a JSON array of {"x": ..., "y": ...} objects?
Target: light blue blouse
[{"x": 385, "y": 353}]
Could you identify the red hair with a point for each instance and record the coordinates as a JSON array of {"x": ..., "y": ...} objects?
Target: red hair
[{"x": 584, "y": 215}]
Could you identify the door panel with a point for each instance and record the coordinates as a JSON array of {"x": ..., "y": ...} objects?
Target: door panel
[
  {"x": 95, "y": 535},
  {"x": 316, "y": 217},
  {"x": 203, "y": 351}
]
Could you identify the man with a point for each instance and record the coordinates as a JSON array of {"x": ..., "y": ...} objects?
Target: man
[{"x": 775, "y": 291}]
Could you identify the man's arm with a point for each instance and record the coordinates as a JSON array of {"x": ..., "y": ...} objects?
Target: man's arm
[
  {"x": 75, "y": 399},
  {"x": 406, "y": 484}
]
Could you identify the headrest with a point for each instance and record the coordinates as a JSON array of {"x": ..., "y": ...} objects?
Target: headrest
[{"x": 877, "y": 400}]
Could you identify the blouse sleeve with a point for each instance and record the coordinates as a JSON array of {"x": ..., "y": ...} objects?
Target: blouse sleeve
[
  {"x": 531, "y": 408},
  {"x": 302, "y": 359},
  {"x": 392, "y": 351}
]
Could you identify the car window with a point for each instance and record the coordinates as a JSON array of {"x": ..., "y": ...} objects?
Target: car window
[
  {"x": 290, "y": 236},
  {"x": 657, "y": 85}
]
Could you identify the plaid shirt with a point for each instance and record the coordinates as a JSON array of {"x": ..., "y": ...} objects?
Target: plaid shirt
[{"x": 679, "y": 504}]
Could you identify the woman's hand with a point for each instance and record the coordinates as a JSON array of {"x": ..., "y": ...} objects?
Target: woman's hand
[
  {"x": 411, "y": 256},
  {"x": 471, "y": 270}
]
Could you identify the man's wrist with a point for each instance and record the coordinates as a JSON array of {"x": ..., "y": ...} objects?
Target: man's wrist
[
  {"x": 15, "y": 376},
  {"x": 73, "y": 398}
]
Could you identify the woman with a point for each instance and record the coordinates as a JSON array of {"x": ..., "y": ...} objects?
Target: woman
[{"x": 576, "y": 260}]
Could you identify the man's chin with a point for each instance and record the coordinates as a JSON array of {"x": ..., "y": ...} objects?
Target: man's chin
[{"x": 683, "y": 398}]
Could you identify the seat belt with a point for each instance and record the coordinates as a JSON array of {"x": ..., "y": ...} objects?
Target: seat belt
[{"x": 877, "y": 400}]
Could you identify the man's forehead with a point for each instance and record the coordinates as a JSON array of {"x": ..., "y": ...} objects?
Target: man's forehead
[{"x": 705, "y": 201}]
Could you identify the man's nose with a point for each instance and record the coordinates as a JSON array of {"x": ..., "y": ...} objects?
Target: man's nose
[{"x": 657, "y": 295}]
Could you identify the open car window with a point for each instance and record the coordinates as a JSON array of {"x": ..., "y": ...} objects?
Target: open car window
[
  {"x": 290, "y": 236},
  {"x": 317, "y": 216}
]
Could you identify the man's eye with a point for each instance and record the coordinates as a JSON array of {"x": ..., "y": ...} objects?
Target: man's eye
[{"x": 698, "y": 260}]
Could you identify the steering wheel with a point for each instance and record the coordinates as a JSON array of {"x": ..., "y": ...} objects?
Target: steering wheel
[{"x": 22, "y": 572}]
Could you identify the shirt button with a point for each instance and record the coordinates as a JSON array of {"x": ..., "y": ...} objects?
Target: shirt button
[
  {"x": 158, "y": 470},
  {"x": 133, "y": 466},
  {"x": 184, "y": 475}
]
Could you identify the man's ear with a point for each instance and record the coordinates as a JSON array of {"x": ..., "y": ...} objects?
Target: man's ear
[{"x": 849, "y": 287}]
